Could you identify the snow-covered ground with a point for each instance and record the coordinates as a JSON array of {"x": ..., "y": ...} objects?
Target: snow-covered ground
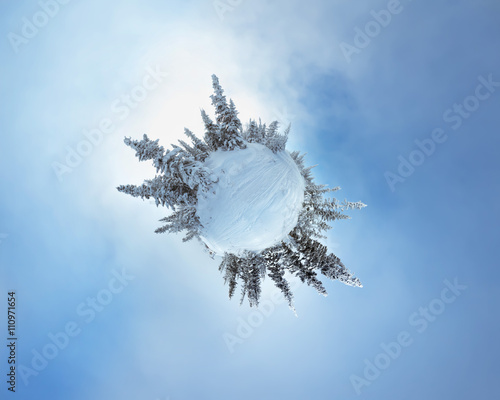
[{"x": 254, "y": 204}]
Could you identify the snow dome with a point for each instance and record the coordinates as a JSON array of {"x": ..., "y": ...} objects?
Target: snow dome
[{"x": 255, "y": 202}]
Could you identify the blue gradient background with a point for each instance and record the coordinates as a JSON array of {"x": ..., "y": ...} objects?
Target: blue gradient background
[{"x": 162, "y": 336}]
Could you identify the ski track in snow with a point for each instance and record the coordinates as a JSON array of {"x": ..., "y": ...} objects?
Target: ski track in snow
[{"x": 254, "y": 204}]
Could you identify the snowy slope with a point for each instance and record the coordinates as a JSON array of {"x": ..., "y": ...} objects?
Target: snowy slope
[{"x": 254, "y": 204}]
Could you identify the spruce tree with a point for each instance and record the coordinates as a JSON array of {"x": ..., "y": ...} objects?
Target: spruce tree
[{"x": 227, "y": 119}]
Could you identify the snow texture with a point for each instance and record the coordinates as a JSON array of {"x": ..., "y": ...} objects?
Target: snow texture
[{"x": 254, "y": 202}]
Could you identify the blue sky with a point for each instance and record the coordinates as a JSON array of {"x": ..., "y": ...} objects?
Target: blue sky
[{"x": 162, "y": 334}]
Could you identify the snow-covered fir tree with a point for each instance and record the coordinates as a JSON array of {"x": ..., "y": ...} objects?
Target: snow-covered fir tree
[{"x": 197, "y": 178}]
